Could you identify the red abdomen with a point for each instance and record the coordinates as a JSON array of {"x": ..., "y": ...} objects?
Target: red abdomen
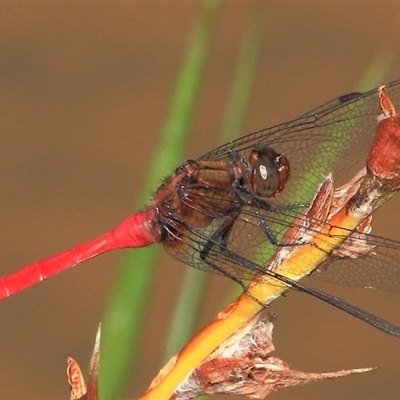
[{"x": 139, "y": 230}]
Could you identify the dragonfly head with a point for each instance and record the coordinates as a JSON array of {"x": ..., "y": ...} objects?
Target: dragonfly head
[{"x": 269, "y": 171}]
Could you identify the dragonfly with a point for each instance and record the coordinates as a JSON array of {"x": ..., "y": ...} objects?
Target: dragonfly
[{"x": 227, "y": 211}]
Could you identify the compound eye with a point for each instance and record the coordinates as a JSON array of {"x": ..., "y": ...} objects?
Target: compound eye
[{"x": 270, "y": 171}]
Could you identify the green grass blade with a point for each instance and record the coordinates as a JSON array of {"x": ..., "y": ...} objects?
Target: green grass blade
[
  {"x": 123, "y": 320},
  {"x": 185, "y": 312},
  {"x": 372, "y": 77},
  {"x": 239, "y": 100},
  {"x": 189, "y": 299},
  {"x": 377, "y": 69},
  {"x": 373, "y": 74}
]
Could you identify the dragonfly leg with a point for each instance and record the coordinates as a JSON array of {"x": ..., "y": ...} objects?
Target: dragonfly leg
[
  {"x": 260, "y": 204},
  {"x": 249, "y": 199},
  {"x": 273, "y": 239},
  {"x": 220, "y": 235}
]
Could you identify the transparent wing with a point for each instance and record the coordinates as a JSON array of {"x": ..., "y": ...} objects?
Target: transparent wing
[{"x": 330, "y": 138}]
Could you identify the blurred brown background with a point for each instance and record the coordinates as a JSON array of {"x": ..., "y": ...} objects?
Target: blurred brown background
[{"x": 84, "y": 89}]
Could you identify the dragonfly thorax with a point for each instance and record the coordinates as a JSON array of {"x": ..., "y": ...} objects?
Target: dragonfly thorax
[{"x": 206, "y": 190}]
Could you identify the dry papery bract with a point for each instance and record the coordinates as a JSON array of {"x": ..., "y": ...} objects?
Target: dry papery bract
[
  {"x": 241, "y": 366},
  {"x": 79, "y": 391}
]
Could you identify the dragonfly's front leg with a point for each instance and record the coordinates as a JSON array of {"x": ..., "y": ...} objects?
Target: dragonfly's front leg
[{"x": 257, "y": 204}]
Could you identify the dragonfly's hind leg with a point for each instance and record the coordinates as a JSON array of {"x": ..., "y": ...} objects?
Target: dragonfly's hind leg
[
  {"x": 219, "y": 237},
  {"x": 272, "y": 237}
]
